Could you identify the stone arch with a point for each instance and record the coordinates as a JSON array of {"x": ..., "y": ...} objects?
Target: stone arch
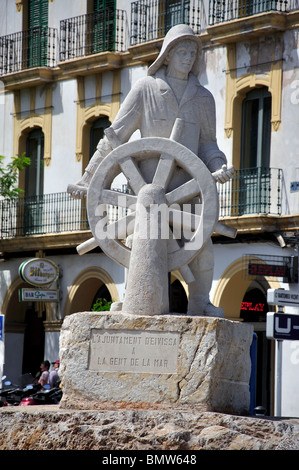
[
  {"x": 13, "y": 310},
  {"x": 234, "y": 280},
  {"x": 88, "y": 282}
]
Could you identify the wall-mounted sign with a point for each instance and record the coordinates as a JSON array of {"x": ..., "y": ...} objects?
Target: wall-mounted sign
[
  {"x": 294, "y": 186},
  {"x": 282, "y": 297},
  {"x": 38, "y": 295},
  {"x": 262, "y": 269},
  {"x": 282, "y": 326},
  {"x": 39, "y": 272}
]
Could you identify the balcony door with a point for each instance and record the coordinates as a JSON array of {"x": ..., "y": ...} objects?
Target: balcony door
[
  {"x": 255, "y": 151},
  {"x": 34, "y": 183},
  {"x": 97, "y": 133},
  {"x": 171, "y": 13},
  {"x": 38, "y": 32},
  {"x": 253, "y": 7}
]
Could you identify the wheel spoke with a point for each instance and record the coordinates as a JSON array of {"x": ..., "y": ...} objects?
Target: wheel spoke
[
  {"x": 174, "y": 246},
  {"x": 183, "y": 193},
  {"x": 184, "y": 221},
  {"x": 123, "y": 227},
  {"x": 117, "y": 198},
  {"x": 133, "y": 175},
  {"x": 164, "y": 171}
]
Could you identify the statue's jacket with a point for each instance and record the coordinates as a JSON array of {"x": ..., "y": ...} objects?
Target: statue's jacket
[{"x": 152, "y": 108}]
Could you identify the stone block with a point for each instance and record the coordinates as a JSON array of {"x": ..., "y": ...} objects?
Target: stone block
[{"x": 112, "y": 358}]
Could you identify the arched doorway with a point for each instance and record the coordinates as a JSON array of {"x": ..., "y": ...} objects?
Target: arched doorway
[
  {"x": 245, "y": 299},
  {"x": 86, "y": 287},
  {"x": 254, "y": 310},
  {"x": 102, "y": 298},
  {"x": 24, "y": 333}
]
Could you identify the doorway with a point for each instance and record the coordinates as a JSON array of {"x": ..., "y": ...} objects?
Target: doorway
[
  {"x": 34, "y": 340},
  {"x": 254, "y": 310}
]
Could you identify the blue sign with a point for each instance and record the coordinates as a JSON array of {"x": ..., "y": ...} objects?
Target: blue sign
[
  {"x": 1, "y": 327},
  {"x": 282, "y": 326}
]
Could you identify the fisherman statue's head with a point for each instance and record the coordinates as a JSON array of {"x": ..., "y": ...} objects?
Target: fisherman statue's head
[{"x": 179, "y": 37}]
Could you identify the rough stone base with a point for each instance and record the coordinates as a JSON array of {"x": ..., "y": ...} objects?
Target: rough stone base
[
  {"x": 51, "y": 428},
  {"x": 155, "y": 361}
]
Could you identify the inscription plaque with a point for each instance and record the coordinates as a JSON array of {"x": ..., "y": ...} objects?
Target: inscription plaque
[{"x": 154, "y": 352}]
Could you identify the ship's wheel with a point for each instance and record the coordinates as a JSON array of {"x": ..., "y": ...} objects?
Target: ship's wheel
[{"x": 190, "y": 191}]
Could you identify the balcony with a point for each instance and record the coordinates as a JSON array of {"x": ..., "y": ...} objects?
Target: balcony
[
  {"x": 256, "y": 191},
  {"x": 227, "y": 10},
  {"x": 100, "y": 31},
  {"x": 151, "y": 19},
  {"x": 251, "y": 191},
  {"x": 29, "y": 49},
  {"x": 51, "y": 220}
]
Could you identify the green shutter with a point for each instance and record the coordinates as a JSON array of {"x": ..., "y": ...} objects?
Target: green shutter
[
  {"x": 104, "y": 25},
  {"x": 98, "y": 4},
  {"x": 38, "y": 32},
  {"x": 38, "y": 13}
]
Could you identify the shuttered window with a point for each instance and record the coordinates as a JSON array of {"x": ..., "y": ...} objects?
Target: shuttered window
[
  {"x": 38, "y": 32},
  {"x": 104, "y": 25}
]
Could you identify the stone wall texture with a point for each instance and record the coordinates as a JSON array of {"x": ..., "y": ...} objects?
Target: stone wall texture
[{"x": 51, "y": 428}]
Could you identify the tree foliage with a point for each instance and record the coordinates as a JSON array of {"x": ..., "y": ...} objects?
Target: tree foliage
[{"x": 9, "y": 175}]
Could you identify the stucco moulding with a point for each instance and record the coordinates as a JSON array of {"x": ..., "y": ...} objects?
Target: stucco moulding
[
  {"x": 247, "y": 27},
  {"x": 55, "y": 240},
  {"x": 91, "y": 64},
  {"x": 28, "y": 78}
]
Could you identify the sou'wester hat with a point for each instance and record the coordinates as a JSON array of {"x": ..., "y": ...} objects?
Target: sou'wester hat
[{"x": 176, "y": 34}]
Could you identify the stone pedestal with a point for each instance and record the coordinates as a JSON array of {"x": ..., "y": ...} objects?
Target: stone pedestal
[{"x": 113, "y": 359}]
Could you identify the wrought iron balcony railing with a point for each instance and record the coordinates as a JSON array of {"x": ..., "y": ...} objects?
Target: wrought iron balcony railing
[
  {"x": 100, "y": 31},
  {"x": 151, "y": 19},
  {"x": 253, "y": 191},
  {"x": 36, "y": 47},
  {"x": 45, "y": 214},
  {"x": 227, "y": 10}
]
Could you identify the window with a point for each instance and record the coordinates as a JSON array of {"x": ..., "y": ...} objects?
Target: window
[
  {"x": 34, "y": 183},
  {"x": 253, "y": 7},
  {"x": 38, "y": 32},
  {"x": 103, "y": 25},
  {"x": 256, "y": 129},
  {"x": 97, "y": 133},
  {"x": 171, "y": 13},
  {"x": 255, "y": 175}
]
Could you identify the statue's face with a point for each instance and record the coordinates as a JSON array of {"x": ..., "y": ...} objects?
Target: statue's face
[{"x": 180, "y": 59}]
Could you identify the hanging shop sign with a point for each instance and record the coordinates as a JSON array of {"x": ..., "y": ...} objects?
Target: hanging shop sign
[
  {"x": 39, "y": 272},
  {"x": 38, "y": 295},
  {"x": 282, "y": 326}
]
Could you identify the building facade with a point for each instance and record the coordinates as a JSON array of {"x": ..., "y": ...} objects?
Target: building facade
[{"x": 65, "y": 68}]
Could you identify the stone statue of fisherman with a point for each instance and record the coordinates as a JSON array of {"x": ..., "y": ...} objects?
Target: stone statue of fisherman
[{"x": 171, "y": 90}]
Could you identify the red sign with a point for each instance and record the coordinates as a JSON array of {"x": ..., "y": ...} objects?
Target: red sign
[
  {"x": 257, "y": 269},
  {"x": 256, "y": 307}
]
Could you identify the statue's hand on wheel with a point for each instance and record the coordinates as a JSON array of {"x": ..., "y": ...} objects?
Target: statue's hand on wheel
[{"x": 224, "y": 174}]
